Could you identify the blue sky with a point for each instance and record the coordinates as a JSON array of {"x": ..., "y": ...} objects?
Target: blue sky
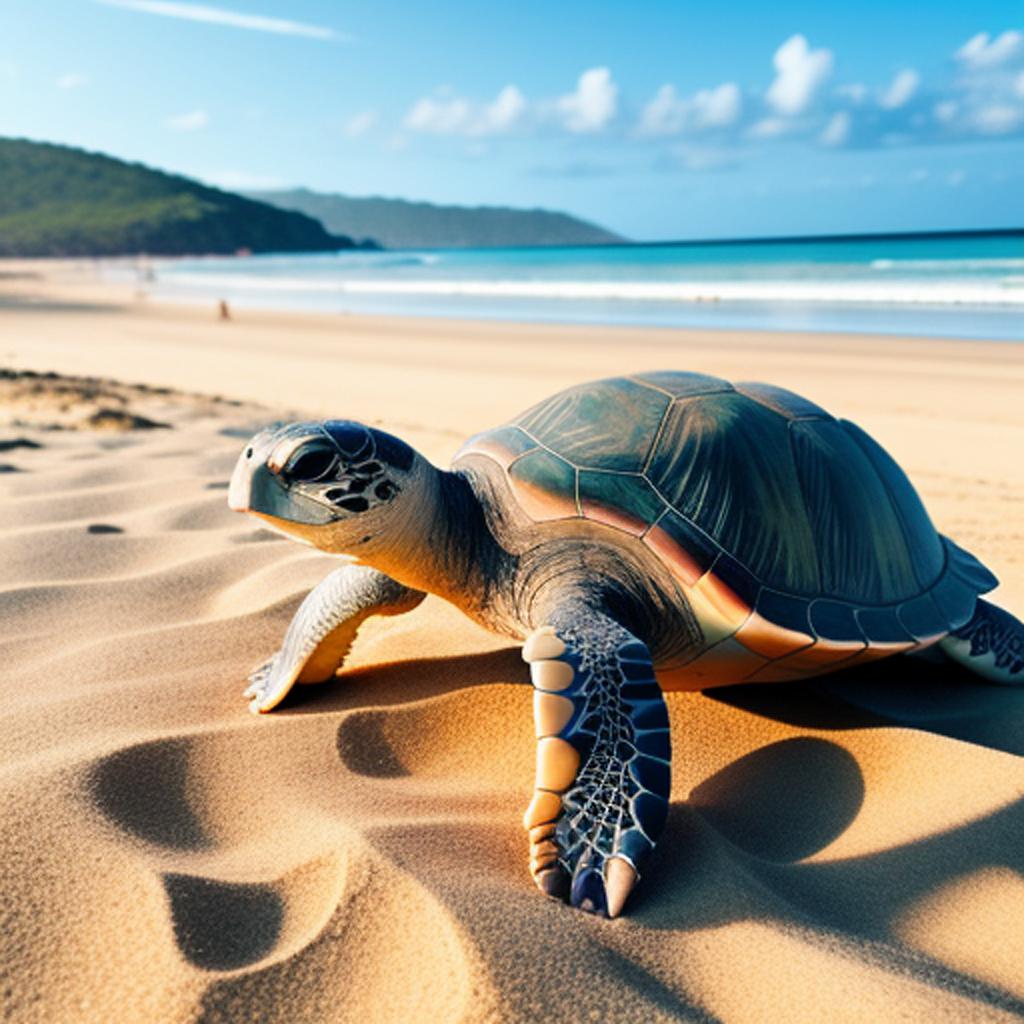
[{"x": 660, "y": 120}]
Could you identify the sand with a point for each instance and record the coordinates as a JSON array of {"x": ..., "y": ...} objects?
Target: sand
[{"x": 849, "y": 850}]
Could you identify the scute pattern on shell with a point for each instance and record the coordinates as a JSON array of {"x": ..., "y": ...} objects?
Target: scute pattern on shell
[{"x": 804, "y": 517}]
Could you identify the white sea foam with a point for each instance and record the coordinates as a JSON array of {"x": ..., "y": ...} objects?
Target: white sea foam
[
  {"x": 942, "y": 292},
  {"x": 950, "y": 266}
]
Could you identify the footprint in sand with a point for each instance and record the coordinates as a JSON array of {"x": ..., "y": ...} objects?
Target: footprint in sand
[
  {"x": 221, "y": 926},
  {"x": 215, "y": 810},
  {"x": 144, "y": 790},
  {"x": 365, "y": 747},
  {"x": 447, "y": 738},
  {"x": 159, "y": 793}
]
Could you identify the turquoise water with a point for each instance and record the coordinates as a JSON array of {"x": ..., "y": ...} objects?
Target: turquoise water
[{"x": 955, "y": 286}]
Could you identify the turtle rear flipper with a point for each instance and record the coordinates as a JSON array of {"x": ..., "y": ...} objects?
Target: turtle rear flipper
[
  {"x": 603, "y": 752},
  {"x": 323, "y": 629},
  {"x": 991, "y": 645}
]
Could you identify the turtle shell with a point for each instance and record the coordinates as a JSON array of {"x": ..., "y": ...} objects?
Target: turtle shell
[{"x": 776, "y": 518}]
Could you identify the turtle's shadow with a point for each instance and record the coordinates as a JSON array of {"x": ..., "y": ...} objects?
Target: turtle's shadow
[
  {"x": 863, "y": 894},
  {"x": 941, "y": 698},
  {"x": 403, "y": 682},
  {"x": 783, "y": 801}
]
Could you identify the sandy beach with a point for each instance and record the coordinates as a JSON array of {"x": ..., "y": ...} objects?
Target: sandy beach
[{"x": 847, "y": 850}]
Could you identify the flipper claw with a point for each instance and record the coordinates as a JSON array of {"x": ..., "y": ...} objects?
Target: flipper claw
[
  {"x": 619, "y": 878},
  {"x": 588, "y": 891}
]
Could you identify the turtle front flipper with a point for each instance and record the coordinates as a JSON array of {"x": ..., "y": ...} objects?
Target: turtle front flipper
[
  {"x": 991, "y": 645},
  {"x": 603, "y": 759},
  {"x": 323, "y": 629}
]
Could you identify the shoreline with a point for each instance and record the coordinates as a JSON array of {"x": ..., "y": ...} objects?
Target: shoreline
[{"x": 883, "y": 307}]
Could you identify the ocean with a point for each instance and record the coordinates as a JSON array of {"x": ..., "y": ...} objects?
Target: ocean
[{"x": 963, "y": 285}]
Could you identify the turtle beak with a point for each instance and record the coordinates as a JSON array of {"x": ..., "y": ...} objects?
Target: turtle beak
[
  {"x": 240, "y": 490},
  {"x": 256, "y": 489}
]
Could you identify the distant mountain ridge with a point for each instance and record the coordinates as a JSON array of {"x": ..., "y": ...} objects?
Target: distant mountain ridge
[
  {"x": 61, "y": 201},
  {"x": 402, "y": 224}
]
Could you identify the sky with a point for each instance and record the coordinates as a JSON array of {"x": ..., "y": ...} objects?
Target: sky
[{"x": 659, "y": 120}]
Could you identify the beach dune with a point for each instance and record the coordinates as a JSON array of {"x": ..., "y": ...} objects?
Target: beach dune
[{"x": 847, "y": 850}]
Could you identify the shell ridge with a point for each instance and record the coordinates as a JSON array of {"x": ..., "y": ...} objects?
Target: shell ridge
[
  {"x": 540, "y": 444},
  {"x": 653, "y": 447},
  {"x": 859, "y": 437},
  {"x": 521, "y": 455},
  {"x": 803, "y": 502},
  {"x": 893, "y": 504},
  {"x": 640, "y": 382}
]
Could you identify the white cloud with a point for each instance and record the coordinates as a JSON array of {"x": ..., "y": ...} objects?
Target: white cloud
[
  {"x": 718, "y": 107},
  {"x": 665, "y": 114},
  {"x": 593, "y": 103},
  {"x": 769, "y": 128},
  {"x": 956, "y": 178},
  {"x": 900, "y": 90},
  {"x": 946, "y": 110},
  {"x": 447, "y": 114},
  {"x": 918, "y": 175},
  {"x": 439, "y": 115},
  {"x": 505, "y": 110},
  {"x": 221, "y": 16},
  {"x": 71, "y": 81},
  {"x": 997, "y": 119},
  {"x": 800, "y": 72},
  {"x": 361, "y": 123},
  {"x": 983, "y": 51},
  {"x": 1018, "y": 85},
  {"x": 668, "y": 113},
  {"x": 190, "y": 122},
  {"x": 837, "y": 131}
]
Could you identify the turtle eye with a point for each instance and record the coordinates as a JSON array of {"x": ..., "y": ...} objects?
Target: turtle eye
[{"x": 312, "y": 464}]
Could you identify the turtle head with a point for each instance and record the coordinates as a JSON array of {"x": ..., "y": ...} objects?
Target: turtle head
[{"x": 336, "y": 484}]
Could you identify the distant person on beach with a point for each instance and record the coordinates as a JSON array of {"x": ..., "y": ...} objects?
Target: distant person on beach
[{"x": 225, "y": 312}]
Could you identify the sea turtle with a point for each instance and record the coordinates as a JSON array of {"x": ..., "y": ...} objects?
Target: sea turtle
[{"x": 662, "y": 531}]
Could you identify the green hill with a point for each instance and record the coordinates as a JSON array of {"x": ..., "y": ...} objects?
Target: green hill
[
  {"x": 400, "y": 224},
  {"x": 60, "y": 201}
]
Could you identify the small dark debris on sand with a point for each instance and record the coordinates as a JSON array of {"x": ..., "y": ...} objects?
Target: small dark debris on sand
[
  {"x": 103, "y": 528},
  {"x": 6, "y": 467},
  {"x": 257, "y": 537},
  {"x": 121, "y": 419},
  {"x": 18, "y": 442},
  {"x": 53, "y": 401}
]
